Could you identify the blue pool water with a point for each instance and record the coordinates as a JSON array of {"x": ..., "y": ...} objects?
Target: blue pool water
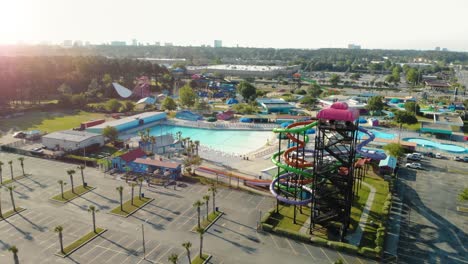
[
  {"x": 431, "y": 144},
  {"x": 230, "y": 141},
  {"x": 378, "y": 134}
]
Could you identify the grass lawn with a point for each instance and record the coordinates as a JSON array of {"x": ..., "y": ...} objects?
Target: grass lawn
[
  {"x": 8, "y": 181},
  {"x": 211, "y": 217},
  {"x": 381, "y": 188},
  {"x": 198, "y": 260},
  {"x": 11, "y": 212},
  {"x": 49, "y": 121},
  {"x": 69, "y": 195},
  {"x": 129, "y": 208},
  {"x": 358, "y": 206},
  {"x": 81, "y": 241},
  {"x": 284, "y": 218}
]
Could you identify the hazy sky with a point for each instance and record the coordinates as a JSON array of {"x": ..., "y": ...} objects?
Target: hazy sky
[{"x": 395, "y": 24}]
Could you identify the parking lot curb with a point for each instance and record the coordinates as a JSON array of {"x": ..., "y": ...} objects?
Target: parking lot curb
[
  {"x": 64, "y": 202},
  {"x": 126, "y": 216},
  {"x": 80, "y": 246},
  {"x": 194, "y": 228},
  {"x": 15, "y": 213}
]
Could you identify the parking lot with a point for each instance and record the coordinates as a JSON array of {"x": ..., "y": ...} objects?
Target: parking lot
[
  {"x": 432, "y": 231},
  {"x": 167, "y": 222}
]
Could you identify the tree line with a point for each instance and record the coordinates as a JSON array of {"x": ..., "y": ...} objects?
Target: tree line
[{"x": 39, "y": 78}]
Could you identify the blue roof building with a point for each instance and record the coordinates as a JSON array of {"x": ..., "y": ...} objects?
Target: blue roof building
[{"x": 275, "y": 105}]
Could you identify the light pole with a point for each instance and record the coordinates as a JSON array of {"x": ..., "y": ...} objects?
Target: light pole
[{"x": 143, "y": 237}]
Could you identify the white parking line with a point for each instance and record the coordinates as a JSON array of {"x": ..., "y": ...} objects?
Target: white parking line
[
  {"x": 289, "y": 243},
  {"x": 310, "y": 253}
]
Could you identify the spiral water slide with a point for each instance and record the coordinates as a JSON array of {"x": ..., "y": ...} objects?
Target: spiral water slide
[{"x": 294, "y": 163}]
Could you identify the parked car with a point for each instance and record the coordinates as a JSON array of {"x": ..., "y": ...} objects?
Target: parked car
[
  {"x": 413, "y": 165},
  {"x": 457, "y": 158},
  {"x": 438, "y": 156},
  {"x": 419, "y": 155},
  {"x": 19, "y": 134},
  {"x": 465, "y": 159},
  {"x": 413, "y": 157},
  {"x": 430, "y": 154}
]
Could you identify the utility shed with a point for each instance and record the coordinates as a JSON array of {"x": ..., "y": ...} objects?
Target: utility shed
[{"x": 69, "y": 140}]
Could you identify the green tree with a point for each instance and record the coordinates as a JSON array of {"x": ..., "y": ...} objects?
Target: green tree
[
  {"x": 14, "y": 250},
  {"x": 413, "y": 76},
  {"x": 412, "y": 107},
  {"x": 207, "y": 199},
  {"x": 140, "y": 185},
  {"x": 11, "y": 188},
  {"x": 187, "y": 97},
  {"x": 93, "y": 210},
  {"x": 201, "y": 231},
  {"x": 187, "y": 245},
  {"x": 70, "y": 173},
  {"x": 173, "y": 258},
  {"x": 314, "y": 90},
  {"x": 133, "y": 185},
  {"x": 65, "y": 89},
  {"x": 168, "y": 104},
  {"x": 120, "y": 191},
  {"x": 78, "y": 100},
  {"x": 463, "y": 195},
  {"x": 59, "y": 229},
  {"x": 308, "y": 101},
  {"x": 355, "y": 76},
  {"x": 247, "y": 90},
  {"x": 81, "y": 168},
  {"x": 394, "y": 149},
  {"x": 334, "y": 79},
  {"x": 375, "y": 104},
  {"x": 404, "y": 117},
  {"x": 128, "y": 106},
  {"x": 213, "y": 191},
  {"x": 197, "y": 205},
  {"x": 111, "y": 133},
  {"x": 61, "y": 183},
  {"x": 107, "y": 82},
  {"x": 245, "y": 109},
  {"x": 113, "y": 105},
  {"x": 21, "y": 160},
  {"x": 201, "y": 105}
]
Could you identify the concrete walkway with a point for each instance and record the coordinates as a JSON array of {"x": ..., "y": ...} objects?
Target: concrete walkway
[{"x": 355, "y": 237}]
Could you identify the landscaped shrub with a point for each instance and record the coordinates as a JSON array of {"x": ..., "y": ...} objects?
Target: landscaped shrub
[
  {"x": 368, "y": 252},
  {"x": 291, "y": 234},
  {"x": 343, "y": 246},
  {"x": 319, "y": 241},
  {"x": 267, "y": 227}
]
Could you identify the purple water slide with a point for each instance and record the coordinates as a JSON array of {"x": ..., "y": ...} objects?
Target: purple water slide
[
  {"x": 366, "y": 153},
  {"x": 284, "y": 199}
]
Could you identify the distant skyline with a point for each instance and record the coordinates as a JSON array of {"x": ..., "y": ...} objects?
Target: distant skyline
[{"x": 396, "y": 24}]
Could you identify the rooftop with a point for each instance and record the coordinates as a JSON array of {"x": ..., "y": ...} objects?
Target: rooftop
[
  {"x": 259, "y": 68},
  {"x": 127, "y": 119},
  {"x": 158, "y": 163},
  {"x": 71, "y": 135},
  {"x": 132, "y": 155}
]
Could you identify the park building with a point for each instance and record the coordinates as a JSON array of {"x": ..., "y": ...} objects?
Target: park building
[
  {"x": 139, "y": 121},
  {"x": 244, "y": 70},
  {"x": 70, "y": 140}
]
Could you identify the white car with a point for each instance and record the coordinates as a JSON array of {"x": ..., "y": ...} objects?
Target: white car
[
  {"x": 438, "y": 156},
  {"x": 413, "y": 165},
  {"x": 419, "y": 155}
]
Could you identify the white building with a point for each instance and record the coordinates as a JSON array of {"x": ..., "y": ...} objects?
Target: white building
[
  {"x": 218, "y": 43},
  {"x": 244, "y": 70},
  {"x": 69, "y": 140}
]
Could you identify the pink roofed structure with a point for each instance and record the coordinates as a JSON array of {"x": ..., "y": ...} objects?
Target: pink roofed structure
[
  {"x": 339, "y": 111},
  {"x": 142, "y": 88}
]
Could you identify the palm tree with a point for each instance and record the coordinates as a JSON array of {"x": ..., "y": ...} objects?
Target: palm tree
[
  {"x": 11, "y": 169},
  {"x": 120, "y": 190},
  {"x": 173, "y": 258},
  {"x": 21, "y": 160},
  {"x": 187, "y": 245},
  {"x": 70, "y": 173},
  {"x": 81, "y": 168},
  {"x": 93, "y": 210},
  {"x": 58, "y": 229},
  {"x": 153, "y": 142},
  {"x": 197, "y": 204},
  {"x": 62, "y": 183},
  {"x": 140, "y": 181},
  {"x": 127, "y": 171},
  {"x": 1, "y": 202},
  {"x": 201, "y": 231},
  {"x": 197, "y": 144},
  {"x": 1, "y": 173},
  {"x": 213, "y": 191},
  {"x": 14, "y": 250},
  {"x": 11, "y": 188},
  {"x": 207, "y": 199},
  {"x": 133, "y": 188}
]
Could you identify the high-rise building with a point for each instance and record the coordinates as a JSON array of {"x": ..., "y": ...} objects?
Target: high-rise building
[
  {"x": 168, "y": 44},
  {"x": 218, "y": 43},
  {"x": 134, "y": 42},
  {"x": 437, "y": 48},
  {"x": 157, "y": 43},
  {"x": 444, "y": 49},
  {"x": 68, "y": 43},
  {"x": 354, "y": 46},
  {"x": 78, "y": 43},
  {"x": 118, "y": 43}
]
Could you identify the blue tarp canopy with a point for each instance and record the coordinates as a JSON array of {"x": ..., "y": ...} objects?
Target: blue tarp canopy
[
  {"x": 362, "y": 120},
  {"x": 245, "y": 120},
  {"x": 232, "y": 101},
  {"x": 285, "y": 124},
  {"x": 310, "y": 131},
  {"x": 395, "y": 101}
]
